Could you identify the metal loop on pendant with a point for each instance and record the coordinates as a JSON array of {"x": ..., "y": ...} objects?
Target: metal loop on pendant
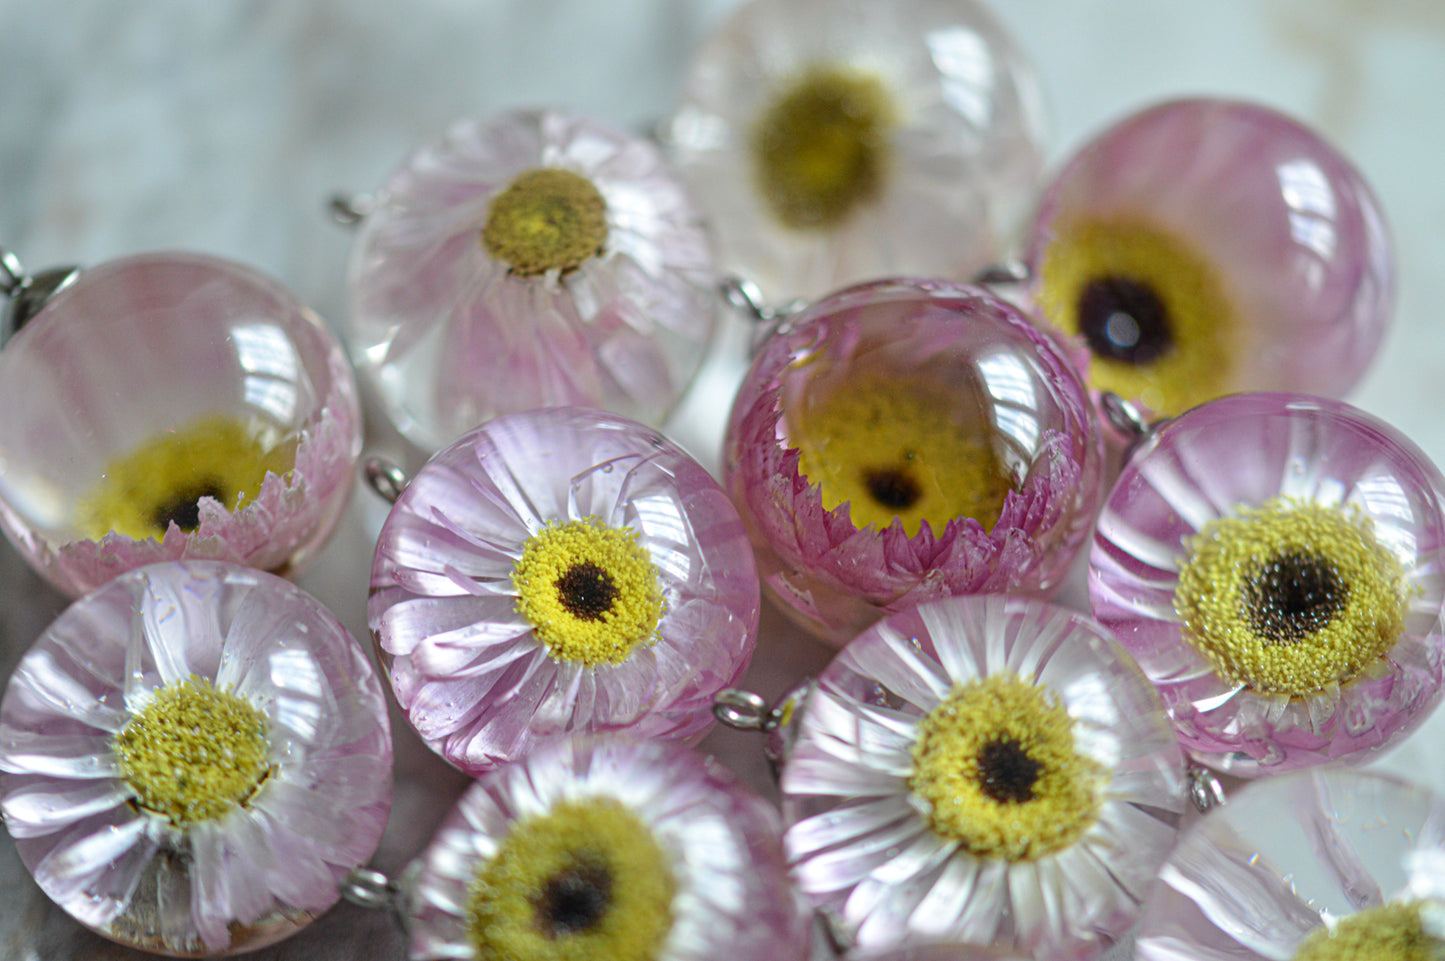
[
  {"x": 1006, "y": 274},
  {"x": 745, "y": 296},
  {"x": 385, "y": 477},
  {"x": 12, "y": 273},
  {"x": 348, "y": 210},
  {"x": 1125, "y": 417},
  {"x": 743, "y": 711},
  {"x": 1206, "y": 792},
  {"x": 369, "y": 889}
]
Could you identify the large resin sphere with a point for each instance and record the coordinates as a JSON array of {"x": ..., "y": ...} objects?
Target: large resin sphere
[
  {"x": 1274, "y": 563},
  {"x": 1332, "y": 863},
  {"x": 990, "y": 771},
  {"x": 559, "y": 571},
  {"x": 607, "y": 848},
  {"x": 907, "y": 440},
  {"x": 194, "y": 756},
  {"x": 835, "y": 141},
  {"x": 168, "y": 406},
  {"x": 532, "y": 259},
  {"x": 1202, "y": 247}
]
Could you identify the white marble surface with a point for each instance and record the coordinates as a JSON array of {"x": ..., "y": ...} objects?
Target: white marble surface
[{"x": 223, "y": 126}]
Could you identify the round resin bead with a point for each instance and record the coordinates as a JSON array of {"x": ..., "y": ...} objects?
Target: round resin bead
[
  {"x": 906, "y": 440},
  {"x": 171, "y": 406},
  {"x": 533, "y": 259},
  {"x": 606, "y": 848},
  {"x": 1202, "y": 247},
  {"x": 990, "y": 771},
  {"x": 834, "y": 141},
  {"x": 1273, "y": 563},
  {"x": 1323, "y": 865},
  {"x": 194, "y": 756},
  {"x": 557, "y": 571}
]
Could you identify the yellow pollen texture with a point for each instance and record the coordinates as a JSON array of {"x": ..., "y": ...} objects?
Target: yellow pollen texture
[
  {"x": 590, "y": 591},
  {"x": 951, "y": 761},
  {"x": 1203, "y": 328},
  {"x": 1391, "y": 932},
  {"x": 898, "y": 447},
  {"x": 546, "y": 219},
  {"x": 820, "y": 150},
  {"x": 586, "y": 881},
  {"x": 160, "y": 482},
  {"x": 1218, "y": 595},
  {"x": 194, "y": 752}
]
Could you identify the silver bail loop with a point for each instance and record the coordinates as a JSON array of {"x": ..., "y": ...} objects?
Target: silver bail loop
[
  {"x": 28, "y": 293},
  {"x": 385, "y": 478},
  {"x": 745, "y": 296}
]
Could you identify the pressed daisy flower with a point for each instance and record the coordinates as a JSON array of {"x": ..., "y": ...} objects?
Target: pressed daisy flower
[
  {"x": 605, "y": 849},
  {"x": 194, "y": 756},
  {"x": 532, "y": 259},
  {"x": 1323, "y": 865},
  {"x": 986, "y": 770},
  {"x": 173, "y": 406},
  {"x": 908, "y": 440},
  {"x": 1273, "y": 562},
  {"x": 1202, "y": 247},
  {"x": 834, "y": 141},
  {"x": 555, "y": 571}
]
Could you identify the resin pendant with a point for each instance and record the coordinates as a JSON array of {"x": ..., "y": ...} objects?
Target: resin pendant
[
  {"x": 1272, "y": 561},
  {"x": 557, "y": 571},
  {"x": 985, "y": 771},
  {"x": 533, "y": 259},
  {"x": 1204, "y": 247},
  {"x": 605, "y": 849},
  {"x": 904, "y": 441},
  {"x": 833, "y": 142},
  {"x": 1323, "y": 865},
  {"x": 172, "y": 406},
  {"x": 193, "y": 758}
]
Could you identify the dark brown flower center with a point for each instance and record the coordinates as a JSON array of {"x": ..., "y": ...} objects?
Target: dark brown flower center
[
  {"x": 892, "y": 487},
  {"x": 1293, "y": 595},
  {"x": 1124, "y": 319},
  {"x": 1006, "y": 773},
  {"x": 184, "y": 505},
  {"x": 587, "y": 591},
  {"x": 574, "y": 899}
]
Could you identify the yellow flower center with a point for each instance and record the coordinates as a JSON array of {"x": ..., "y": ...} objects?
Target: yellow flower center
[
  {"x": 590, "y": 591},
  {"x": 997, "y": 766},
  {"x": 1290, "y": 596},
  {"x": 1153, "y": 312},
  {"x": 586, "y": 881},
  {"x": 194, "y": 752},
  {"x": 162, "y": 481},
  {"x": 1391, "y": 932},
  {"x": 546, "y": 219},
  {"x": 899, "y": 447},
  {"x": 820, "y": 151}
]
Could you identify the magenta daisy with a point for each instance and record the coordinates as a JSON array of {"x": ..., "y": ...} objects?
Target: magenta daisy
[
  {"x": 1273, "y": 561},
  {"x": 906, "y": 440},
  {"x": 194, "y": 756},
  {"x": 606, "y": 849},
  {"x": 173, "y": 406},
  {"x": 529, "y": 260},
  {"x": 1330, "y": 864},
  {"x": 555, "y": 571},
  {"x": 834, "y": 141},
  {"x": 990, "y": 771}
]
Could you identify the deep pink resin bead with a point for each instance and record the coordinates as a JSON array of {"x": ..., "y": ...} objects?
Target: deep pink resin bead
[
  {"x": 1204, "y": 246},
  {"x": 908, "y": 440}
]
